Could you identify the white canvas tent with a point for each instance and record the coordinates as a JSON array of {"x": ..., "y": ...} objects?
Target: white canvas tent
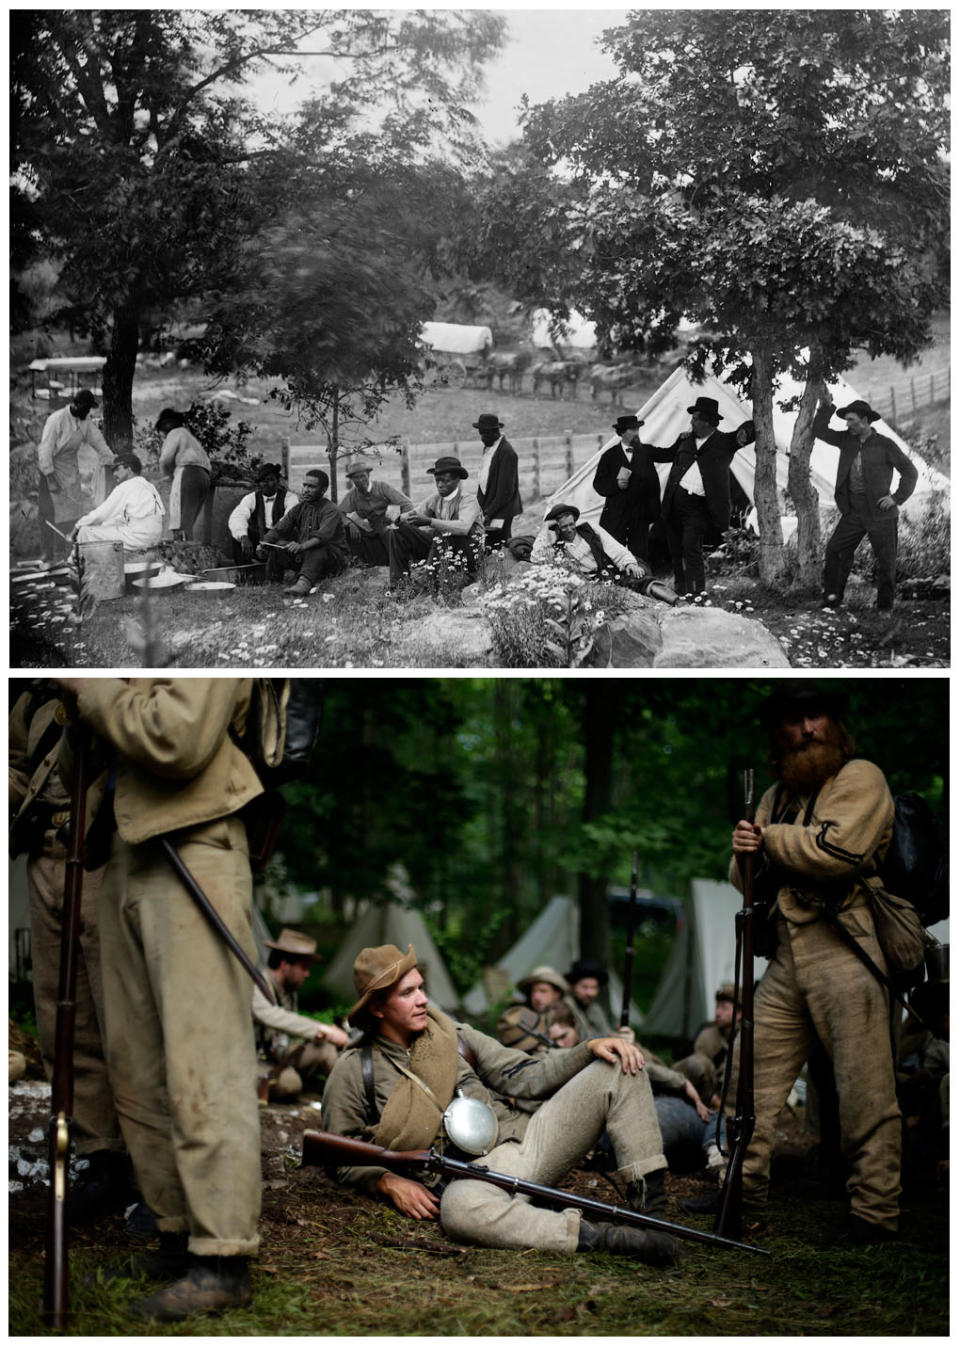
[
  {"x": 702, "y": 959},
  {"x": 665, "y": 417},
  {"x": 553, "y": 939},
  {"x": 391, "y": 923}
]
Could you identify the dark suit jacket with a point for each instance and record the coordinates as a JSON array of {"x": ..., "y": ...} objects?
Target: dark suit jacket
[
  {"x": 628, "y": 514},
  {"x": 879, "y": 456},
  {"x": 714, "y": 459},
  {"x": 501, "y": 499}
]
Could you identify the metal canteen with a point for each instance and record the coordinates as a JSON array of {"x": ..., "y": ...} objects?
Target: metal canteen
[{"x": 470, "y": 1124}]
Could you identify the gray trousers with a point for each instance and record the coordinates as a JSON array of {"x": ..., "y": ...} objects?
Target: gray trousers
[{"x": 568, "y": 1125}]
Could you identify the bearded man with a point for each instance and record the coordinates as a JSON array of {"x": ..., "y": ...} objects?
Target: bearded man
[{"x": 817, "y": 840}]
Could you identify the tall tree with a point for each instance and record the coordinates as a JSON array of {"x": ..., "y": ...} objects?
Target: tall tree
[
  {"x": 133, "y": 148},
  {"x": 780, "y": 176}
]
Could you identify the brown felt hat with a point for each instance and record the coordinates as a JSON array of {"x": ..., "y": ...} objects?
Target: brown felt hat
[
  {"x": 800, "y": 694},
  {"x": 377, "y": 970},
  {"x": 543, "y": 973},
  {"x": 296, "y": 943}
]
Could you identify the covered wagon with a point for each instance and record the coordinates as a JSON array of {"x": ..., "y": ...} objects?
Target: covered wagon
[{"x": 454, "y": 352}]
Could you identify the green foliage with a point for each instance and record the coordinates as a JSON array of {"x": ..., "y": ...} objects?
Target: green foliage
[
  {"x": 544, "y": 618},
  {"x": 923, "y": 543}
]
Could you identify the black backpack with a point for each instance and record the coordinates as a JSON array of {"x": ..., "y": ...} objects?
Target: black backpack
[{"x": 916, "y": 865}]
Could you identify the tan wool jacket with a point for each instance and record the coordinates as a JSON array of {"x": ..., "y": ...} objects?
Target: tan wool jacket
[
  {"x": 177, "y": 764},
  {"x": 849, "y": 831}
]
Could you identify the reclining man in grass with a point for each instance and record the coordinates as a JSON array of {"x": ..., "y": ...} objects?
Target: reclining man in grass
[
  {"x": 594, "y": 554},
  {"x": 394, "y": 1087},
  {"x": 312, "y": 534}
]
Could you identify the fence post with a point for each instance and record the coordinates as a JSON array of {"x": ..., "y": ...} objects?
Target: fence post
[
  {"x": 536, "y": 468},
  {"x": 405, "y": 469},
  {"x": 913, "y": 394},
  {"x": 568, "y": 446},
  {"x": 893, "y": 406},
  {"x": 285, "y": 457}
]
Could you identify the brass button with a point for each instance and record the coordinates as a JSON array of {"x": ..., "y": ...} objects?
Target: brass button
[
  {"x": 60, "y": 714},
  {"x": 59, "y": 819}
]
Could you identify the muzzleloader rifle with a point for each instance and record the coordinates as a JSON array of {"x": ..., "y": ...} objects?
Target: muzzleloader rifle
[
  {"x": 325, "y": 1149},
  {"x": 56, "y": 1273},
  {"x": 729, "y": 1221}
]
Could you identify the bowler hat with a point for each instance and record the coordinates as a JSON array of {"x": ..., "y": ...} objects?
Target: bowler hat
[
  {"x": 557, "y": 510},
  {"x": 707, "y": 406},
  {"x": 626, "y": 423},
  {"x": 295, "y": 943},
  {"x": 450, "y": 465},
  {"x": 377, "y": 970},
  {"x": 587, "y": 967},
  {"x": 488, "y": 421},
  {"x": 84, "y": 398},
  {"x": 543, "y": 973},
  {"x": 268, "y": 470},
  {"x": 861, "y": 408},
  {"x": 794, "y": 695}
]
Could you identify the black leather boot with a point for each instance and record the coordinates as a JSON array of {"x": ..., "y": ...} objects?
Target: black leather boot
[
  {"x": 211, "y": 1285},
  {"x": 648, "y": 1194},
  {"x": 656, "y": 1250}
]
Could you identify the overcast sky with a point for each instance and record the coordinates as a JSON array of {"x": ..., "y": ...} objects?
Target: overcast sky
[{"x": 547, "y": 53}]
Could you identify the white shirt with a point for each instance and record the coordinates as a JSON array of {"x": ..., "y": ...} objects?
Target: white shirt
[
  {"x": 132, "y": 500},
  {"x": 239, "y": 519},
  {"x": 488, "y": 452},
  {"x": 63, "y": 432},
  {"x": 692, "y": 479}
]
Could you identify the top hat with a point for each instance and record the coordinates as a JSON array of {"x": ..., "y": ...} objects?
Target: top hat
[
  {"x": 557, "y": 510},
  {"x": 861, "y": 408},
  {"x": 450, "y": 465},
  {"x": 794, "y": 695},
  {"x": 377, "y": 970},
  {"x": 707, "y": 406},
  {"x": 295, "y": 943},
  {"x": 488, "y": 421},
  {"x": 626, "y": 423},
  {"x": 84, "y": 398},
  {"x": 588, "y": 967}
]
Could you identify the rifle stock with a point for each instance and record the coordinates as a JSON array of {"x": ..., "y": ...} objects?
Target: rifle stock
[
  {"x": 326, "y": 1149},
  {"x": 729, "y": 1221},
  {"x": 628, "y": 956},
  {"x": 56, "y": 1285}
]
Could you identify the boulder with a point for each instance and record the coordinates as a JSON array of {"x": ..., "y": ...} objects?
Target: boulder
[
  {"x": 629, "y": 640},
  {"x": 695, "y": 637},
  {"x": 446, "y": 638}
]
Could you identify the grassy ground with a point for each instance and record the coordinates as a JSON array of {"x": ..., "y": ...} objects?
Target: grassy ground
[{"x": 336, "y": 1264}]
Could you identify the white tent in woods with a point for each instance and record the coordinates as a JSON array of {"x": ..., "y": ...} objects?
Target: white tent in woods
[
  {"x": 702, "y": 959},
  {"x": 554, "y": 939},
  {"x": 391, "y": 923},
  {"x": 665, "y": 417},
  {"x": 578, "y": 332}
]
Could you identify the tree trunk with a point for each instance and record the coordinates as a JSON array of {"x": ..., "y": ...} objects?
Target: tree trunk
[
  {"x": 802, "y": 491},
  {"x": 118, "y": 375},
  {"x": 765, "y": 481},
  {"x": 601, "y": 715},
  {"x": 333, "y": 446}
]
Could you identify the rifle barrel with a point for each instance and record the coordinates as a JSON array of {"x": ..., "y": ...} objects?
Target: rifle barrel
[{"x": 325, "y": 1148}]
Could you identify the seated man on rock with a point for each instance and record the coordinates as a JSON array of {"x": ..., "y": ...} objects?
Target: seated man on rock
[
  {"x": 312, "y": 534},
  {"x": 132, "y": 513},
  {"x": 364, "y": 507},
  {"x": 594, "y": 554},
  {"x": 394, "y": 1087},
  {"x": 313, "y": 1052},
  {"x": 525, "y": 1026},
  {"x": 449, "y": 521},
  {"x": 256, "y": 514}
]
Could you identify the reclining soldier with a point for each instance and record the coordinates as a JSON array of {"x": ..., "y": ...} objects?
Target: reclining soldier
[{"x": 393, "y": 1088}]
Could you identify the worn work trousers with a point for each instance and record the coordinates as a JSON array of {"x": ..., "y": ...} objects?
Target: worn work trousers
[
  {"x": 319, "y": 562},
  {"x": 842, "y": 546},
  {"x": 179, "y": 1041},
  {"x": 95, "y": 1118},
  {"x": 686, "y": 528},
  {"x": 817, "y": 989},
  {"x": 301, "y": 1066},
  {"x": 682, "y": 1130},
  {"x": 195, "y": 487},
  {"x": 369, "y": 548},
  {"x": 559, "y": 1135},
  {"x": 407, "y": 543}
]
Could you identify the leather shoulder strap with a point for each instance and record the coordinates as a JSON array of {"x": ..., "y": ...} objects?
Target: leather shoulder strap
[{"x": 369, "y": 1083}]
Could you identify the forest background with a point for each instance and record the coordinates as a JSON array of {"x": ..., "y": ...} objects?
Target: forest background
[{"x": 497, "y": 794}]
